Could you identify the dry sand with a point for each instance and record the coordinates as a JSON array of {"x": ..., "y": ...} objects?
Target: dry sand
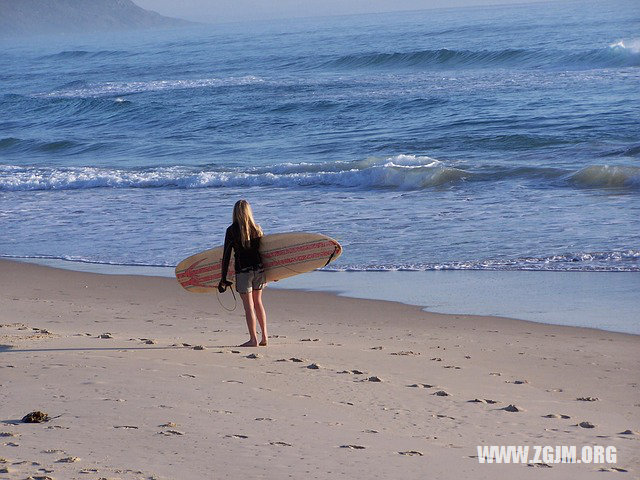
[{"x": 112, "y": 359}]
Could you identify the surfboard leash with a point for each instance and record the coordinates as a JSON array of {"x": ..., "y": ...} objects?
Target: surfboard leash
[{"x": 235, "y": 300}]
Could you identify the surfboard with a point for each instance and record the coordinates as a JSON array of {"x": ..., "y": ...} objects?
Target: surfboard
[{"x": 283, "y": 255}]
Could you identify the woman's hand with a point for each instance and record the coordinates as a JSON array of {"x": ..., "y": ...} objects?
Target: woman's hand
[{"x": 222, "y": 286}]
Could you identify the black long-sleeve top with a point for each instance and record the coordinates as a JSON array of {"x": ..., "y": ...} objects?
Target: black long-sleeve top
[{"x": 245, "y": 258}]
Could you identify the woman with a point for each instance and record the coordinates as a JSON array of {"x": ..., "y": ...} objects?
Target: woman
[{"x": 244, "y": 237}]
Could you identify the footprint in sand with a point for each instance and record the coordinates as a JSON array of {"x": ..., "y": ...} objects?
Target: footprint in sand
[
  {"x": 556, "y": 415},
  {"x": 411, "y": 453},
  {"x": 512, "y": 408},
  {"x": 441, "y": 393},
  {"x": 292, "y": 359},
  {"x": 587, "y": 399},
  {"x": 237, "y": 436},
  {"x": 483, "y": 400},
  {"x": 353, "y": 447},
  {"x": 586, "y": 425},
  {"x": 439, "y": 415},
  {"x": 420, "y": 385},
  {"x": 68, "y": 460},
  {"x": 281, "y": 444}
]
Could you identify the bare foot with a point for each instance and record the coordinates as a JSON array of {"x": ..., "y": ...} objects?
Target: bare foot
[
  {"x": 250, "y": 343},
  {"x": 263, "y": 342}
]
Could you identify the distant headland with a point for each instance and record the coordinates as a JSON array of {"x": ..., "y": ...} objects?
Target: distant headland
[{"x": 27, "y": 17}]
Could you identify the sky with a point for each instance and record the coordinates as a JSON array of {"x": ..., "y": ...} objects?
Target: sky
[{"x": 219, "y": 11}]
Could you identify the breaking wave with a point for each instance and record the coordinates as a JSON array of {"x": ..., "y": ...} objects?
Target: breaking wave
[
  {"x": 401, "y": 172},
  {"x": 607, "y": 176}
]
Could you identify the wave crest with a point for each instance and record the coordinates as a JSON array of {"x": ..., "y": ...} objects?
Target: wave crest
[
  {"x": 607, "y": 176},
  {"x": 616, "y": 55},
  {"x": 83, "y": 54}
]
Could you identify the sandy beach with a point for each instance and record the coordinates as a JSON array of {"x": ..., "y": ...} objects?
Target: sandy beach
[{"x": 143, "y": 381}]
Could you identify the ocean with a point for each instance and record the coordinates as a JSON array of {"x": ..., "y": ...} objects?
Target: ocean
[{"x": 484, "y": 138}]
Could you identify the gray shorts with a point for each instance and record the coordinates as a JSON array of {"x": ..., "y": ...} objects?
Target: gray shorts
[{"x": 250, "y": 280}]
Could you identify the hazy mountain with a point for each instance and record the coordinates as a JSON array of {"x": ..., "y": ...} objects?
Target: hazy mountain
[{"x": 20, "y": 17}]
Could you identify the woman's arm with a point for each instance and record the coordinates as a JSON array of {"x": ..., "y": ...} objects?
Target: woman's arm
[{"x": 226, "y": 257}]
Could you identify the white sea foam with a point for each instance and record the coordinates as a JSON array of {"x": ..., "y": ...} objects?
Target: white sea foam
[
  {"x": 88, "y": 90},
  {"x": 611, "y": 261},
  {"x": 402, "y": 172},
  {"x": 632, "y": 45}
]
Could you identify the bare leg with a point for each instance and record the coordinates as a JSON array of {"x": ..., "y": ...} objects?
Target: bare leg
[
  {"x": 250, "y": 315},
  {"x": 262, "y": 316}
]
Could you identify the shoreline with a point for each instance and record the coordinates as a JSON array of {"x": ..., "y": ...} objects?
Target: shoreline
[
  {"x": 114, "y": 356},
  {"x": 605, "y": 301}
]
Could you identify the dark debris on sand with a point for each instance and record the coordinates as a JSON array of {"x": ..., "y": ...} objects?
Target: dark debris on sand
[{"x": 36, "y": 417}]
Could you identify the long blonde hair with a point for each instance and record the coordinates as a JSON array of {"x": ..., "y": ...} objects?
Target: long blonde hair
[{"x": 243, "y": 216}]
